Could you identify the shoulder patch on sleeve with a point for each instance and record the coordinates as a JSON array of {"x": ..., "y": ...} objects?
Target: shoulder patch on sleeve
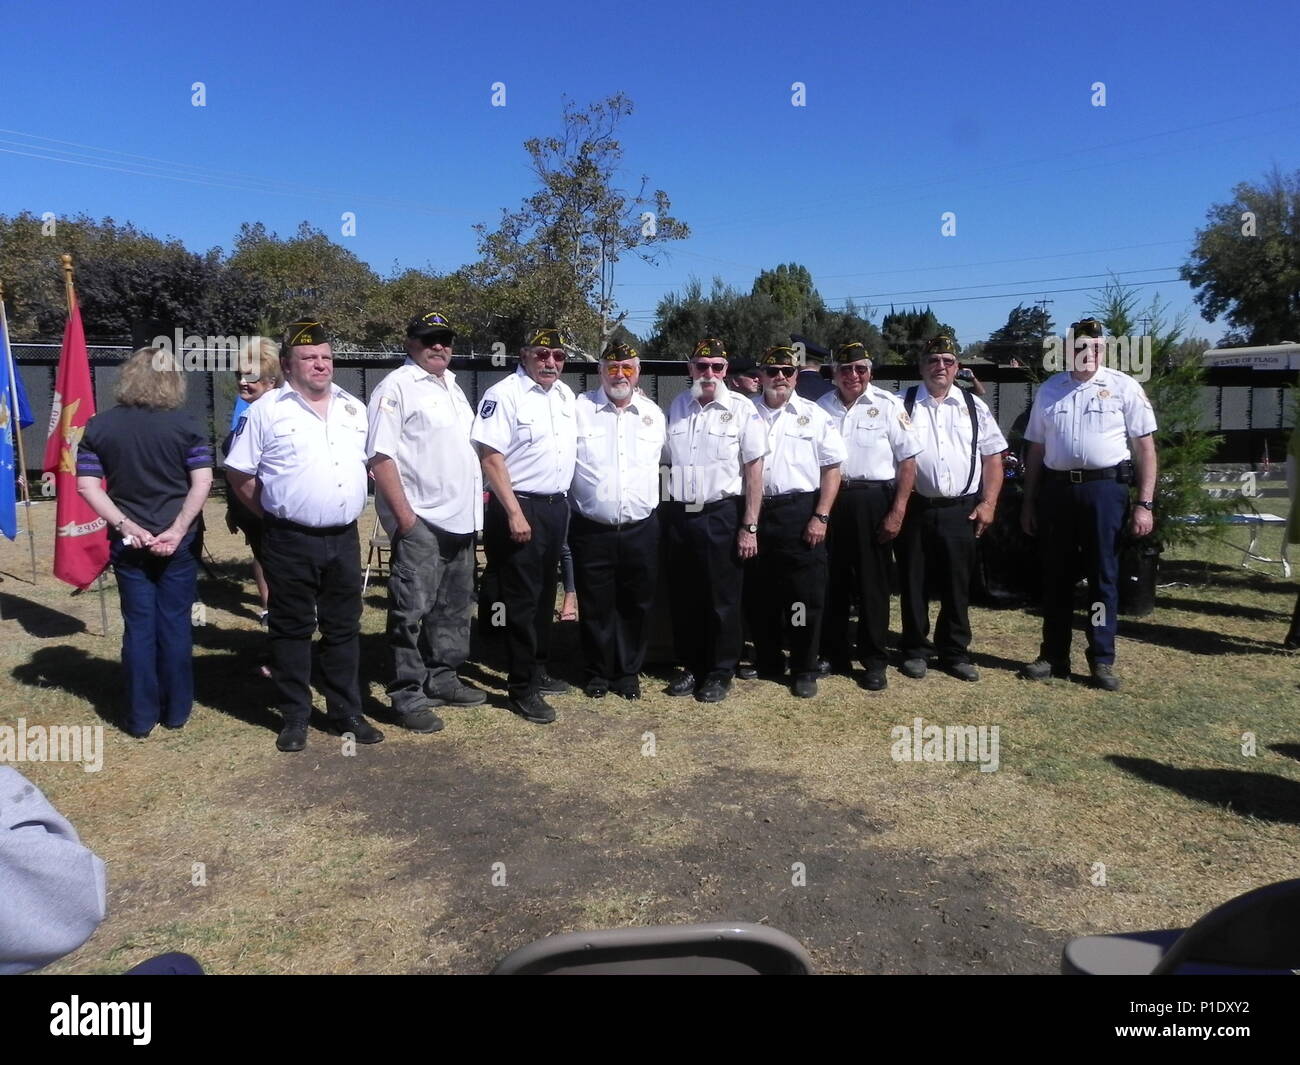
[
  {"x": 488, "y": 406},
  {"x": 239, "y": 425},
  {"x": 903, "y": 419},
  {"x": 388, "y": 404}
]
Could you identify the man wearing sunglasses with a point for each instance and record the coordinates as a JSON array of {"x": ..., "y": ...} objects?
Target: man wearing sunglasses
[
  {"x": 612, "y": 530},
  {"x": 715, "y": 450},
  {"x": 1090, "y": 437},
  {"x": 429, "y": 496},
  {"x": 527, "y": 437},
  {"x": 876, "y": 483},
  {"x": 958, "y": 478},
  {"x": 801, "y": 477}
]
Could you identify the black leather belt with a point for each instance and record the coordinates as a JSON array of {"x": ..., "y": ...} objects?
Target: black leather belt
[
  {"x": 554, "y": 497},
  {"x": 311, "y": 530},
  {"x": 945, "y": 501},
  {"x": 1110, "y": 473},
  {"x": 787, "y": 498},
  {"x": 862, "y": 482}
]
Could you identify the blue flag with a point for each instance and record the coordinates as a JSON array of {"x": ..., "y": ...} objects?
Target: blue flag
[{"x": 8, "y": 486}]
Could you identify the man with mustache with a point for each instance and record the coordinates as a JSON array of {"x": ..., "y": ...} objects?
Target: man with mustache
[
  {"x": 715, "y": 450},
  {"x": 801, "y": 477},
  {"x": 612, "y": 527},
  {"x": 429, "y": 496},
  {"x": 876, "y": 484},
  {"x": 958, "y": 478},
  {"x": 525, "y": 430}
]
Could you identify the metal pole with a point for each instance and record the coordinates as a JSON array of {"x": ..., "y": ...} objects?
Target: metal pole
[{"x": 18, "y": 430}]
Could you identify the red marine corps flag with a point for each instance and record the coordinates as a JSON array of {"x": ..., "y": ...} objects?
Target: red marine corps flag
[{"x": 81, "y": 540}]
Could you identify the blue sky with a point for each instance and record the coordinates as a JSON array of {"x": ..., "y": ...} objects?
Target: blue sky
[{"x": 911, "y": 110}]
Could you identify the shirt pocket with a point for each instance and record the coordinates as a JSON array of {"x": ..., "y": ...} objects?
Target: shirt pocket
[
  {"x": 592, "y": 446},
  {"x": 289, "y": 438},
  {"x": 724, "y": 443},
  {"x": 435, "y": 416},
  {"x": 1103, "y": 414}
]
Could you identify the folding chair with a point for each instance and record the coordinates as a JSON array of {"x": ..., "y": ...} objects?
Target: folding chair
[
  {"x": 379, "y": 547},
  {"x": 1255, "y": 933},
  {"x": 717, "y": 949}
]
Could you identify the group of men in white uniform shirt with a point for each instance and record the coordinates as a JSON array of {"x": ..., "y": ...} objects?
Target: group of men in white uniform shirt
[{"x": 798, "y": 502}]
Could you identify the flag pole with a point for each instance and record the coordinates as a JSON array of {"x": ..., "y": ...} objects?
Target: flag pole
[
  {"x": 70, "y": 290},
  {"x": 18, "y": 429}
]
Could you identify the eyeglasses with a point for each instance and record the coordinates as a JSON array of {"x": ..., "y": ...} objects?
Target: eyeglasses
[
  {"x": 716, "y": 367},
  {"x": 940, "y": 360},
  {"x": 558, "y": 354},
  {"x": 250, "y": 380},
  {"x": 859, "y": 370},
  {"x": 779, "y": 371},
  {"x": 620, "y": 371}
]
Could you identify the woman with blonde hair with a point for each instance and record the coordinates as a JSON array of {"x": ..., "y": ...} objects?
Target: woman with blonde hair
[
  {"x": 262, "y": 357},
  {"x": 158, "y": 467}
]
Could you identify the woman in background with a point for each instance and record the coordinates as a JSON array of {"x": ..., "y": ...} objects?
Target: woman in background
[
  {"x": 264, "y": 356},
  {"x": 158, "y": 467}
]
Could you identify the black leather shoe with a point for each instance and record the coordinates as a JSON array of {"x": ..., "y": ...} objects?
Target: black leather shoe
[
  {"x": 551, "y": 685},
  {"x": 458, "y": 694},
  {"x": 914, "y": 668},
  {"x": 362, "y": 730},
  {"x": 532, "y": 708},
  {"x": 683, "y": 684},
  {"x": 875, "y": 680},
  {"x": 713, "y": 690},
  {"x": 1042, "y": 668},
  {"x": 627, "y": 688},
  {"x": 745, "y": 672},
  {"x": 293, "y": 736},
  {"x": 804, "y": 686},
  {"x": 962, "y": 671},
  {"x": 422, "y": 720},
  {"x": 596, "y": 688}
]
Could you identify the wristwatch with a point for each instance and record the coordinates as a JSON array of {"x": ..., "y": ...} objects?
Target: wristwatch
[
  {"x": 1147, "y": 503},
  {"x": 823, "y": 518},
  {"x": 749, "y": 528}
]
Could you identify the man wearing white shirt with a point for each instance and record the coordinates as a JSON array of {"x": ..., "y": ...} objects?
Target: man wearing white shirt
[
  {"x": 801, "y": 477},
  {"x": 714, "y": 453},
  {"x": 1077, "y": 476},
  {"x": 527, "y": 437},
  {"x": 875, "y": 485},
  {"x": 613, "y": 531},
  {"x": 299, "y": 461},
  {"x": 958, "y": 478},
  {"x": 429, "y": 495}
]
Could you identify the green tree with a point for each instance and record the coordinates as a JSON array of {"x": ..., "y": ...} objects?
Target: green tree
[
  {"x": 554, "y": 257},
  {"x": 308, "y": 273},
  {"x": 745, "y": 323},
  {"x": 1183, "y": 446},
  {"x": 905, "y": 333},
  {"x": 1022, "y": 336},
  {"x": 1245, "y": 265}
]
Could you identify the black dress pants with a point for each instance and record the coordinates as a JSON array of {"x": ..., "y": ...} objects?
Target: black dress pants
[
  {"x": 314, "y": 576},
  {"x": 526, "y": 577},
  {"x": 936, "y": 551},
  {"x": 859, "y": 564},
  {"x": 614, "y": 568},
  {"x": 788, "y": 595},
  {"x": 705, "y": 578}
]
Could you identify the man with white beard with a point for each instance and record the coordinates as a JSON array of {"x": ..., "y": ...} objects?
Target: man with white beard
[
  {"x": 612, "y": 528},
  {"x": 715, "y": 451}
]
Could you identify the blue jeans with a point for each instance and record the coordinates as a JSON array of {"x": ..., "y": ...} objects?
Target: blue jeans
[{"x": 157, "y": 641}]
